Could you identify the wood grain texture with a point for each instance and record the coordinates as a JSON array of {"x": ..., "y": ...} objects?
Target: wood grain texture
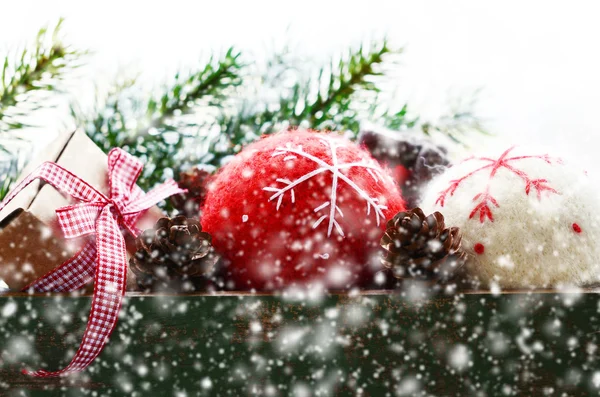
[{"x": 382, "y": 344}]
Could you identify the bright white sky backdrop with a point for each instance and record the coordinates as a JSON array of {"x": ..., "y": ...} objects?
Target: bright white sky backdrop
[{"x": 538, "y": 62}]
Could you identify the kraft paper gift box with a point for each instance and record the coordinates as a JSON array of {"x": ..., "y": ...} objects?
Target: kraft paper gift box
[{"x": 31, "y": 242}]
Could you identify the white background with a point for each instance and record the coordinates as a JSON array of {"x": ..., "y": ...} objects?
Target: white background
[{"x": 537, "y": 62}]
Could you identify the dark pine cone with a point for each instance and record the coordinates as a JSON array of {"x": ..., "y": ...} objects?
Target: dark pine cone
[
  {"x": 195, "y": 181},
  {"x": 413, "y": 158},
  {"x": 422, "y": 248},
  {"x": 174, "y": 256}
]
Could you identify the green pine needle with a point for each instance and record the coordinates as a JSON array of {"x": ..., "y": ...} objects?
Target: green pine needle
[
  {"x": 329, "y": 101},
  {"x": 9, "y": 177},
  {"x": 5, "y": 186},
  {"x": 333, "y": 110},
  {"x": 30, "y": 81},
  {"x": 156, "y": 129},
  {"x": 208, "y": 116},
  {"x": 185, "y": 94},
  {"x": 459, "y": 122},
  {"x": 399, "y": 120},
  {"x": 26, "y": 81}
]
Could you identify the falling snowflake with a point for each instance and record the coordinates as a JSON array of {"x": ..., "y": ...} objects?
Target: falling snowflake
[
  {"x": 485, "y": 200},
  {"x": 330, "y": 207}
]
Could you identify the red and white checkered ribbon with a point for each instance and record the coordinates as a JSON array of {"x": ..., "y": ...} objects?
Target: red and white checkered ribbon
[{"x": 105, "y": 259}]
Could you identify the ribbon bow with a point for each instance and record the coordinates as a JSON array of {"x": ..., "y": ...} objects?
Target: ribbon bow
[{"x": 104, "y": 260}]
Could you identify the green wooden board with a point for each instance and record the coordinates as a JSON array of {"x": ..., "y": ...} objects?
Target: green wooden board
[{"x": 522, "y": 344}]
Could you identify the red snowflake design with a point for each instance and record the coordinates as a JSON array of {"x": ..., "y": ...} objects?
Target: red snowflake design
[{"x": 485, "y": 201}]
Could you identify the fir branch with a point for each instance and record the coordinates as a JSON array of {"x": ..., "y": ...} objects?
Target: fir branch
[
  {"x": 185, "y": 93},
  {"x": 37, "y": 71},
  {"x": 9, "y": 175},
  {"x": 333, "y": 107},
  {"x": 354, "y": 74},
  {"x": 400, "y": 120},
  {"x": 155, "y": 130},
  {"x": 327, "y": 102},
  {"x": 337, "y": 97},
  {"x": 459, "y": 122},
  {"x": 5, "y": 186}
]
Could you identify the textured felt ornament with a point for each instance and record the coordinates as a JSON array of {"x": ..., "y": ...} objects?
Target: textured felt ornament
[
  {"x": 300, "y": 207},
  {"x": 528, "y": 219}
]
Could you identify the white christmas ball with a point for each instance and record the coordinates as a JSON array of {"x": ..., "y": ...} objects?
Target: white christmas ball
[{"x": 528, "y": 219}]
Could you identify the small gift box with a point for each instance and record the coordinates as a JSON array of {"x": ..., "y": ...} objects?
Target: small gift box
[
  {"x": 31, "y": 242},
  {"x": 92, "y": 200}
]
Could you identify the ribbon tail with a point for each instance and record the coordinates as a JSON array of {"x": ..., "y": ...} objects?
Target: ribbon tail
[
  {"x": 109, "y": 288},
  {"x": 62, "y": 180},
  {"x": 132, "y": 212},
  {"x": 155, "y": 195},
  {"x": 71, "y": 275}
]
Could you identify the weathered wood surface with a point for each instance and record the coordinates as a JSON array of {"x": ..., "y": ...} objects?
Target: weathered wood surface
[{"x": 523, "y": 344}]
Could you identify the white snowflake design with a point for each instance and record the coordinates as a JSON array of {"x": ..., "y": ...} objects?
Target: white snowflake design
[{"x": 331, "y": 208}]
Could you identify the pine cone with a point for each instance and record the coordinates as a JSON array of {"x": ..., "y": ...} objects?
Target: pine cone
[
  {"x": 418, "y": 156},
  {"x": 195, "y": 181},
  {"x": 174, "y": 256},
  {"x": 420, "y": 247}
]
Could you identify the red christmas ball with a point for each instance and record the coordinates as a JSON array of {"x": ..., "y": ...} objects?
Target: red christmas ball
[{"x": 300, "y": 207}]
